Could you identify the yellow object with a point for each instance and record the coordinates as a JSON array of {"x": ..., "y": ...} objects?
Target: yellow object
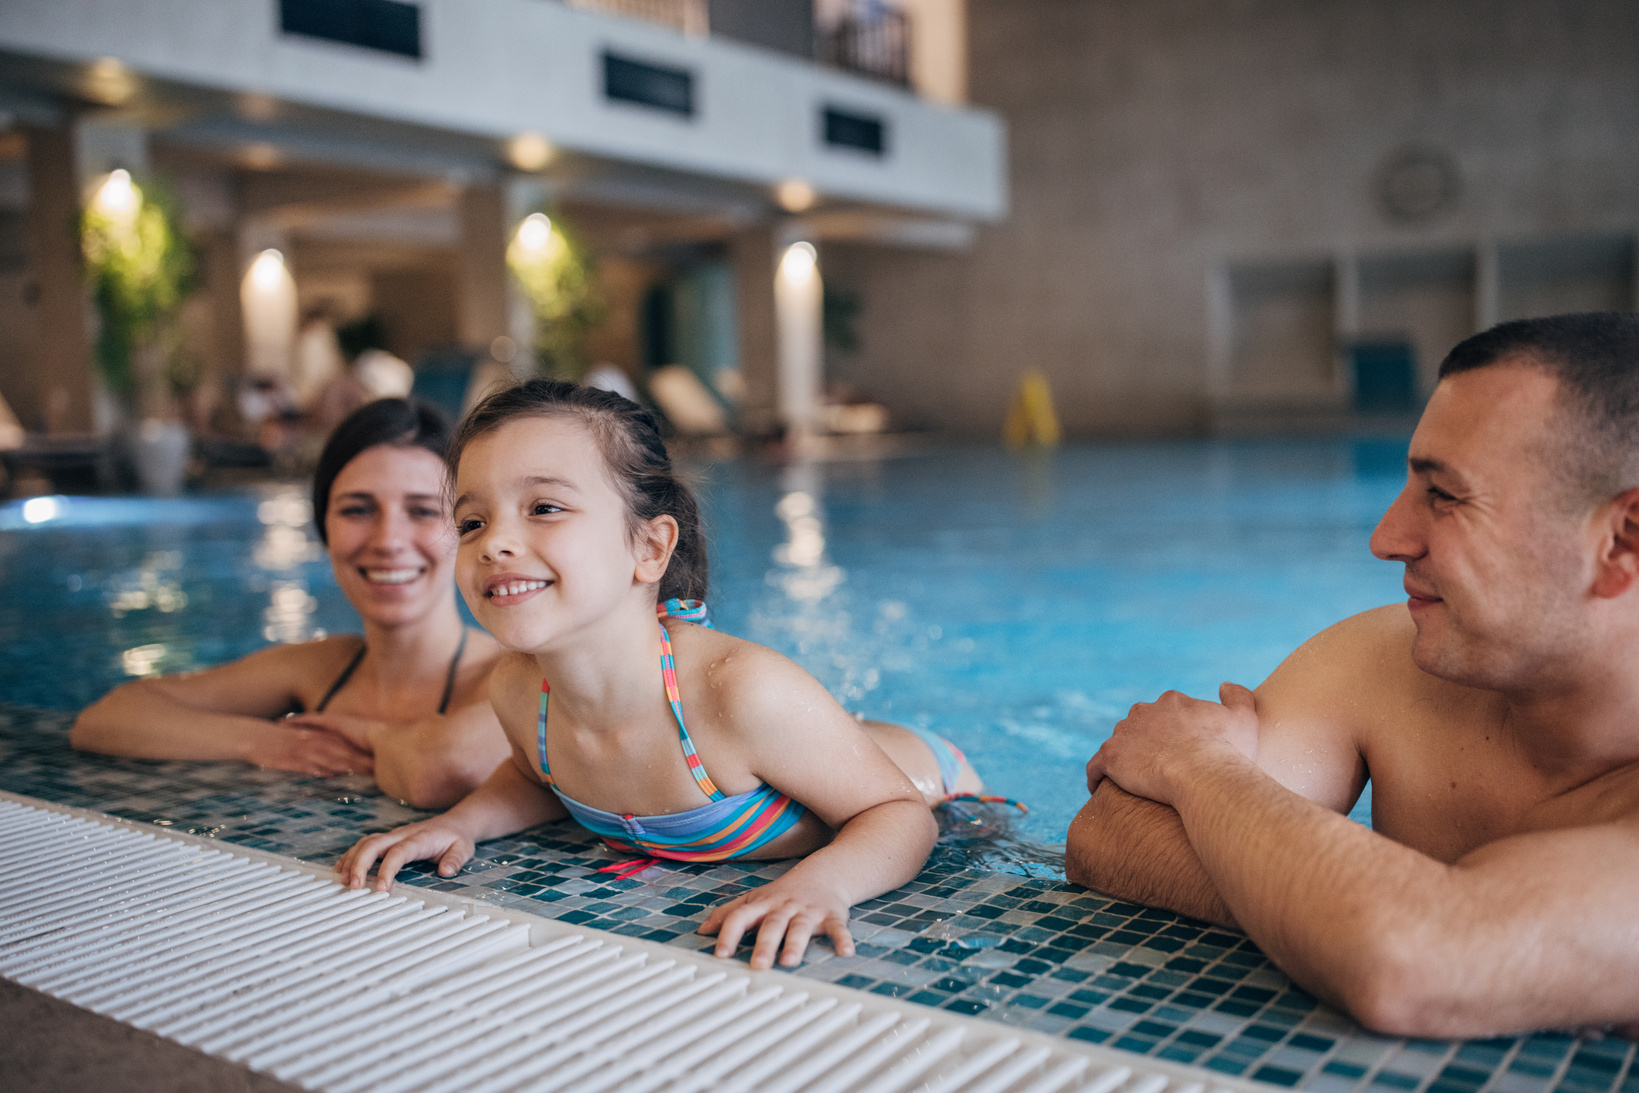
[{"x": 1031, "y": 422}]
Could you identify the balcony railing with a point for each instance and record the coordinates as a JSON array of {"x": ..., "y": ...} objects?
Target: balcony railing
[
  {"x": 688, "y": 16},
  {"x": 874, "y": 43}
]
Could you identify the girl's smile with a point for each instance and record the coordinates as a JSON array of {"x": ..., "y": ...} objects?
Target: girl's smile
[{"x": 545, "y": 545}]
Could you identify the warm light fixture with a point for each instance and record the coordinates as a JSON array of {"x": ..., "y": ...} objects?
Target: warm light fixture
[
  {"x": 268, "y": 271},
  {"x": 261, "y": 156},
  {"x": 110, "y": 82},
  {"x": 798, "y": 263},
  {"x": 795, "y": 195},
  {"x": 534, "y": 233},
  {"x": 529, "y": 151},
  {"x": 117, "y": 197}
]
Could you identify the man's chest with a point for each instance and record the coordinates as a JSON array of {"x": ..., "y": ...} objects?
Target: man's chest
[{"x": 1449, "y": 792}]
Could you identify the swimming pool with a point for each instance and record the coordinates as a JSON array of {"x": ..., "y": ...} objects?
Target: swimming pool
[{"x": 1016, "y": 603}]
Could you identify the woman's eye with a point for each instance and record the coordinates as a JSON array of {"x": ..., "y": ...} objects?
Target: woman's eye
[
  {"x": 354, "y": 510},
  {"x": 426, "y": 513}
]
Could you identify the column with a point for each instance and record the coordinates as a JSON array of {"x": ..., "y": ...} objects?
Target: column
[
  {"x": 62, "y": 370},
  {"x": 481, "y": 277},
  {"x": 752, "y": 253}
]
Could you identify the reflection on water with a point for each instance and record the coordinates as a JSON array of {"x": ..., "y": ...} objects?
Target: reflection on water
[
  {"x": 153, "y": 584},
  {"x": 143, "y": 660},
  {"x": 803, "y": 572},
  {"x": 285, "y": 546}
]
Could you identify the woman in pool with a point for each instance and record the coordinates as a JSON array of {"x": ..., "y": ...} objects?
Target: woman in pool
[
  {"x": 408, "y": 701},
  {"x": 574, "y": 534}
]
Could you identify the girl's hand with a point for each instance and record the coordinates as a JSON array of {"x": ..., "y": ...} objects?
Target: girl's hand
[
  {"x": 315, "y": 751},
  {"x": 435, "y": 838},
  {"x": 792, "y": 908}
]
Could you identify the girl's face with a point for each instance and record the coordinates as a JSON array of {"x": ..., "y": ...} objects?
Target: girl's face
[
  {"x": 543, "y": 532},
  {"x": 391, "y": 545}
]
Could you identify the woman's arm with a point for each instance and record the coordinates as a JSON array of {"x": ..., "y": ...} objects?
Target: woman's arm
[
  {"x": 806, "y": 746},
  {"x": 430, "y": 763},
  {"x": 221, "y": 713}
]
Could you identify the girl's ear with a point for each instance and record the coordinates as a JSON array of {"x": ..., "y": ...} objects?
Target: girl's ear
[{"x": 656, "y": 539}]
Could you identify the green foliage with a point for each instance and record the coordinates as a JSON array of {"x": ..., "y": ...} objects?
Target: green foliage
[
  {"x": 141, "y": 268},
  {"x": 560, "y": 281}
]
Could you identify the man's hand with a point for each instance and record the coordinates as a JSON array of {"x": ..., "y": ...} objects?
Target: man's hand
[{"x": 1156, "y": 738}]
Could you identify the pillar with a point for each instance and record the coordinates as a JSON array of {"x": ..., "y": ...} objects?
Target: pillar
[
  {"x": 63, "y": 382},
  {"x": 752, "y": 253},
  {"x": 481, "y": 277},
  {"x": 799, "y": 298}
]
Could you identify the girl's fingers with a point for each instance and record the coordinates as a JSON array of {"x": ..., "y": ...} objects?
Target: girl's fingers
[
  {"x": 836, "y": 927},
  {"x": 452, "y": 861},
  {"x": 797, "y": 935},
  {"x": 734, "y": 923},
  {"x": 769, "y": 935}
]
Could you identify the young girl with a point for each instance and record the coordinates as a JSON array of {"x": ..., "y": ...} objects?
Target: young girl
[{"x": 573, "y": 531}]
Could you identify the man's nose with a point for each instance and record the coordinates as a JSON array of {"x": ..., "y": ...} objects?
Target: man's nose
[{"x": 1398, "y": 535}]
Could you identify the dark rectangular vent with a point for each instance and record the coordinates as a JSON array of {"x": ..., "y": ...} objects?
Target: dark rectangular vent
[
  {"x": 386, "y": 25},
  {"x": 659, "y": 86},
  {"x": 846, "y": 129}
]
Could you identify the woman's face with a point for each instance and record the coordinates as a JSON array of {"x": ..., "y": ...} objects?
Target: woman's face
[{"x": 391, "y": 542}]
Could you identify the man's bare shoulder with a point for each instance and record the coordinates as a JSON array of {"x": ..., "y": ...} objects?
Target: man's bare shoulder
[{"x": 1359, "y": 675}]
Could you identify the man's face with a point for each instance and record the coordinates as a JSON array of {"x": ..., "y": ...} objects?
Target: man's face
[{"x": 1497, "y": 570}]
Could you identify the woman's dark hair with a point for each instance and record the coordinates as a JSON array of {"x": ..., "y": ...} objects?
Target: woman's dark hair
[
  {"x": 402, "y": 422},
  {"x": 629, "y": 441}
]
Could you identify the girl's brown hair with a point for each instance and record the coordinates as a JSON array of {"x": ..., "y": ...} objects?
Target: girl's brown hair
[{"x": 629, "y": 441}]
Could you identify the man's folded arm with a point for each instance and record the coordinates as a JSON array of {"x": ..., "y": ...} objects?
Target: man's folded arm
[{"x": 1135, "y": 849}]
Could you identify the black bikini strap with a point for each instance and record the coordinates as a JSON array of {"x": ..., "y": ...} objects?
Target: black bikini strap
[
  {"x": 341, "y": 680},
  {"x": 449, "y": 679}
]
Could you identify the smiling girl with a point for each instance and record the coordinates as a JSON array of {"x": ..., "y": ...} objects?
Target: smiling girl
[{"x": 669, "y": 739}]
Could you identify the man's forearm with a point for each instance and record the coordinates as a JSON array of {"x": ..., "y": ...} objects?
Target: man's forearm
[{"x": 1136, "y": 849}]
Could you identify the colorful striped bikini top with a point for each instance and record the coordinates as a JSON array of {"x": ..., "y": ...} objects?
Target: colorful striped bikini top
[{"x": 726, "y": 827}]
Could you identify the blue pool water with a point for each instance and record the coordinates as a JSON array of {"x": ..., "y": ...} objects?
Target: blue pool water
[{"x": 1017, "y": 604}]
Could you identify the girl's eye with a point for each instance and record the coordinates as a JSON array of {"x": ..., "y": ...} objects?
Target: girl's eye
[
  {"x": 470, "y": 524},
  {"x": 544, "y": 508}
]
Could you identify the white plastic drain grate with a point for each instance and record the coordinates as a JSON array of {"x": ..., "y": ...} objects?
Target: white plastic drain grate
[{"x": 267, "y": 963}]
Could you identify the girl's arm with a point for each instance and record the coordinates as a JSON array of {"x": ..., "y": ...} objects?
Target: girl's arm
[
  {"x": 223, "y": 713},
  {"x": 806, "y": 746},
  {"x": 509, "y": 800}
]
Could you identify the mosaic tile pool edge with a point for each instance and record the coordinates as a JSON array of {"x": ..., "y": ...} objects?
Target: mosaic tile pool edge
[{"x": 1034, "y": 952}]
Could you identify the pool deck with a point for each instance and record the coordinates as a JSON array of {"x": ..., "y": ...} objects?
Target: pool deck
[{"x": 1030, "y": 951}]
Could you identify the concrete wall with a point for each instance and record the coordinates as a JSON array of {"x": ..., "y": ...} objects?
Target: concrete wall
[
  {"x": 1176, "y": 165},
  {"x": 503, "y": 67}
]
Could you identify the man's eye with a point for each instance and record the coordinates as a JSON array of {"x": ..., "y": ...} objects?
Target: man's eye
[{"x": 1437, "y": 494}]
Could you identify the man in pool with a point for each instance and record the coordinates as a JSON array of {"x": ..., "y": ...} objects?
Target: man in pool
[{"x": 1496, "y": 713}]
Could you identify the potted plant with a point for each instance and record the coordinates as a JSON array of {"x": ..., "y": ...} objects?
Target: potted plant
[
  {"x": 140, "y": 268},
  {"x": 558, "y": 279}
]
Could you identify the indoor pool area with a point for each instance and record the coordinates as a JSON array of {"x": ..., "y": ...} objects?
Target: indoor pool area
[{"x": 1016, "y": 603}]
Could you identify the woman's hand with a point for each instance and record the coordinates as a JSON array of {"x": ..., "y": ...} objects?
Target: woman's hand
[
  {"x": 282, "y": 745},
  {"x": 437, "y": 838},
  {"x": 361, "y": 732},
  {"x": 793, "y": 909}
]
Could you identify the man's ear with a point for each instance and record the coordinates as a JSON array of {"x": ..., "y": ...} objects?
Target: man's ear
[
  {"x": 653, "y": 546},
  {"x": 1617, "y": 567}
]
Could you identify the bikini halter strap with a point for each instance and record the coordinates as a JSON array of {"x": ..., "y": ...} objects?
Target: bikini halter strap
[{"x": 691, "y": 611}]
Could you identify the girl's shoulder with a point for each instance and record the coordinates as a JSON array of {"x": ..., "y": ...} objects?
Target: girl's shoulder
[{"x": 740, "y": 683}]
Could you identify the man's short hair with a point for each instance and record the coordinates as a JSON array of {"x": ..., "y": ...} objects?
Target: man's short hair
[{"x": 1595, "y": 358}]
